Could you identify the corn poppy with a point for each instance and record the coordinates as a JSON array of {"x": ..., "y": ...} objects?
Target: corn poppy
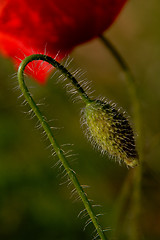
[{"x": 33, "y": 26}]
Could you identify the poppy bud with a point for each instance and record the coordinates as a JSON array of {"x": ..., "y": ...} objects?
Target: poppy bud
[{"x": 110, "y": 131}]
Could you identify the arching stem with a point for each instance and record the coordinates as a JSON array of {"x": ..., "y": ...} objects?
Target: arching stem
[
  {"x": 131, "y": 84},
  {"x": 138, "y": 126},
  {"x": 49, "y": 133},
  {"x": 117, "y": 55}
]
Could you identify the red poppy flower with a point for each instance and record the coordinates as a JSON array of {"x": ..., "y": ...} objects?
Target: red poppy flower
[{"x": 31, "y": 26}]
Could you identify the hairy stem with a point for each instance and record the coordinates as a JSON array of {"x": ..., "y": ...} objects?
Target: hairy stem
[
  {"x": 138, "y": 126},
  {"x": 49, "y": 133}
]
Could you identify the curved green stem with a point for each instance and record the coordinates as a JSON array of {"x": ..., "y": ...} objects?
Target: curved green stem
[
  {"x": 138, "y": 126},
  {"x": 49, "y": 133},
  {"x": 117, "y": 56},
  {"x": 60, "y": 67},
  {"x": 132, "y": 85}
]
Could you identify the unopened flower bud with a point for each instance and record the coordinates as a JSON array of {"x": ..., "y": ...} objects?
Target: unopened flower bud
[{"x": 110, "y": 131}]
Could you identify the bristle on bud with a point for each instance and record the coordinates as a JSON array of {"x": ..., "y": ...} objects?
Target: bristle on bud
[{"x": 110, "y": 130}]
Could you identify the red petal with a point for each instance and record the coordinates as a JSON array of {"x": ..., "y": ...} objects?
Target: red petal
[{"x": 30, "y": 26}]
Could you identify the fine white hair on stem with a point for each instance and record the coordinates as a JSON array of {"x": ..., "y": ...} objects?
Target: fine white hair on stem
[
  {"x": 107, "y": 229},
  {"x": 78, "y": 74},
  {"x": 99, "y": 215},
  {"x": 14, "y": 76},
  {"x": 84, "y": 215},
  {"x": 66, "y": 62},
  {"x": 82, "y": 212},
  {"x": 95, "y": 236},
  {"x": 74, "y": 193},
  {"x": 96, "y": 205},
  {"x": 65, "y": 182},
  {"x": 20, "y": 96},
  {"x": 77, "y": 199},
  {"x": 87, "y": 223},
  {"x": 36, "y": 66},
  {"x": 57, "y": 164},
  {"x": 24, "y": 103},
  {"x": 85, "y": 186}
]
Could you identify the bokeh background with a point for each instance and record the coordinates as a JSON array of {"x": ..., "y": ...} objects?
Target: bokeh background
[{"x": 33, "y": 202}]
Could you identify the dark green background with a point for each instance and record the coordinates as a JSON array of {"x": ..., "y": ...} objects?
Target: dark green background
[{"x": 33, "y": 204}]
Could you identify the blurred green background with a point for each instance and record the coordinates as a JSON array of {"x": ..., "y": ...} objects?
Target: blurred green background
[{"x": 33, "y": 202}]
